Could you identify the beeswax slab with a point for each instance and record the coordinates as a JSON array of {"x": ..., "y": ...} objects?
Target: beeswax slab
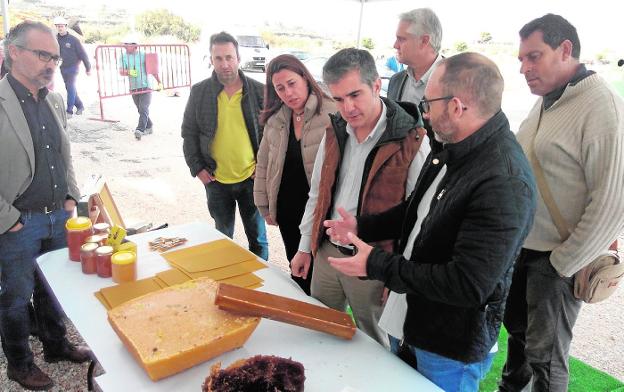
[
  {"x": 256, "y": 303},
  {"x": 116, "y": 295},
  {"x": 176, "y": 328},
  {"x": 208, "y": 256}
]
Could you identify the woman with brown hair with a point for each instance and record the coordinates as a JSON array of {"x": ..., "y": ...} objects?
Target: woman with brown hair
[{"x": 295, "y": 117}]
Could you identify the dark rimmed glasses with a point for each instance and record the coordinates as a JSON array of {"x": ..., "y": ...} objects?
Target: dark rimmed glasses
[
  {"x": 425, "y": 104},
  {"x": 43, "y": 55}
]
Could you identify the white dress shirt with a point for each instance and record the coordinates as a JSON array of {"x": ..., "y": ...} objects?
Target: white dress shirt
[{"x": 350, "y": 176}]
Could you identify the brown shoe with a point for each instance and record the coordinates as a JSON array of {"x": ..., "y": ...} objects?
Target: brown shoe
[
  {"x": 30, "y": 377},
  {"x": 68, "y": 352}
]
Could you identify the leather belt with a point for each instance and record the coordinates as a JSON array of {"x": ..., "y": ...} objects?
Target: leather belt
[
  {"x": 344, "y": 250},
  {"x": 57, "y": 205}
]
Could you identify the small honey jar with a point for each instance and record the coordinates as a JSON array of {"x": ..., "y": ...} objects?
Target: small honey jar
[
  {"x": 101, "y": 228},
  {"x": 124, "y": 267},
  {"x": 99, "y": 239},
  {"x": 78, "y": 229},
  {"x": 87, "y": 258},
  {"x": 103, "y": 260}
]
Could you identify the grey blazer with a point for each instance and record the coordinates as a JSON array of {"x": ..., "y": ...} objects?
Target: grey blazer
[{"x": 17, "y": 154}]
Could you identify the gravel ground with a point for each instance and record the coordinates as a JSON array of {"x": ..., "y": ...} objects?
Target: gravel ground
[{"x": 151, "y": 182}]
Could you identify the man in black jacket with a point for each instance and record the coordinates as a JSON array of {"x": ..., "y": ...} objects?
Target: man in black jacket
[
  {"x": 221, "y": 136},
  {"x": 459, "y": 232}
]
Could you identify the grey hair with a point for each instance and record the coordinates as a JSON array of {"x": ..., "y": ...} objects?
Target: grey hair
[
  {"x": 17, "y": 37},
  {"x": 423, "y": 21},
  {"x": 347, "y": 60}
]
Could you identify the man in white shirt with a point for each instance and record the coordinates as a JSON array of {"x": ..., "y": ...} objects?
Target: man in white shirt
[
  {"x": 368, "y": 160},
  {"x": 418, "y": 41}
]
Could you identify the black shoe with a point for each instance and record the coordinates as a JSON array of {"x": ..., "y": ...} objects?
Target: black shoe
[
  {"x": 79, "y": 112},
  {"x": 138, "y": 134},
  {"x": 30, "y": 377},
  {"x": 148, "y": 131},
  {"x": 68, "y": 352}
]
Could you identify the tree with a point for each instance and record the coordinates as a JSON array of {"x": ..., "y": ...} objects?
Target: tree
[
  {"x": 461, "y": 46},
  {"x": 163, "y": 22},
  {"x": 485, "y": 37},
  {"x": 368, "y": 43}
]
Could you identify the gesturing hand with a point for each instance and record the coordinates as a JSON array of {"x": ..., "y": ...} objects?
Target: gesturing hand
[
  {"x": 354, "y": 265},
  {"x": 337, "y": 229}
]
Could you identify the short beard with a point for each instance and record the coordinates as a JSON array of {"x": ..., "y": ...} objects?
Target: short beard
[{"x": 226, "y": 81}]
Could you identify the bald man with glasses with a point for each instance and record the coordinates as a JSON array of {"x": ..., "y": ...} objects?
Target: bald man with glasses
[{"x": 38, "y": 193}]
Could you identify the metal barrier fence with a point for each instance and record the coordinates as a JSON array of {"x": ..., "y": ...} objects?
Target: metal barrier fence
[{"x": 136, "y": 69}]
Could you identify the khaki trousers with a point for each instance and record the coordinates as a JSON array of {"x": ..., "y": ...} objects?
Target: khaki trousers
[{"x": 335, "y": 290}]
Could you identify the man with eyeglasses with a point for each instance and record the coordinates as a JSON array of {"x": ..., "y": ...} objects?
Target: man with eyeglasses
[
  {"x": 460, "y": 230},
  {"x": 38, "y": 193},
  {"x": 73, "y": 54},
  {"x": 575, "y": 131}
]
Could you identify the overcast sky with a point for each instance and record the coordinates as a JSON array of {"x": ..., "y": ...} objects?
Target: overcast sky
[{"x": 599, "y": 22}]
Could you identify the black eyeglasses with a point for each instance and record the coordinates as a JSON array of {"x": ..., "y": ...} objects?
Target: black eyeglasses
[
  {"x": 43, "y": 55},
  {"x": 425, "y": 103}
]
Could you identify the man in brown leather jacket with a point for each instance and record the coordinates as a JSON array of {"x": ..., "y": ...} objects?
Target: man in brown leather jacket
[{"x": 368, "y": 161}]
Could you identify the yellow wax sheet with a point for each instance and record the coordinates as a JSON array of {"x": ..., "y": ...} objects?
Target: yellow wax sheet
[
  {"x": 245, "y": 280},
  {"x": 208, "y": 256},
  {"x": 229, "y": 271},
  {"x": 116, "y": 295},
  {"x": 172, "y": 277},
  {"x": 103, "y": 300}
]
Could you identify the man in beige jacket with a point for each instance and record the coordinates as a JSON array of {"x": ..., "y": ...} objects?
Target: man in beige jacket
[
  {"x": 576, "y": 133},
  {"x": 38, "y": 193}
]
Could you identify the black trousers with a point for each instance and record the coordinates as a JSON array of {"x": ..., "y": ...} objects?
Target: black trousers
[{"x": 540, "y": 314}]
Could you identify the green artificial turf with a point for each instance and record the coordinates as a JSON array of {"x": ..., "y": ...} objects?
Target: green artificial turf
[
  {"x": 583, "y": 378},
  {"x": 619, "y": 86}
]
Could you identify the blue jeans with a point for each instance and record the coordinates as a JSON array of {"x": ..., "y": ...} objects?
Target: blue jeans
[
  {"x": 395, "y": 344},
  {"x": 222, "y": 200},
  {"x": 69, "y": 77},
  {"x": 20, "y": 278},
  {"x": 452, "y": 375}
]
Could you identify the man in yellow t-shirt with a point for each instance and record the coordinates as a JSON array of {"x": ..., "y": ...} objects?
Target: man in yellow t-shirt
[{"x": 221, "y": 136}]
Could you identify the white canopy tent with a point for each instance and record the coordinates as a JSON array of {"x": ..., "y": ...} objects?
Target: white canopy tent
[
  {"x": 359, "y": 31},
  {"x": 5, "y": 16}
]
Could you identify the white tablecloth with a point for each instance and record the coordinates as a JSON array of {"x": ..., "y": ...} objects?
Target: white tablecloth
[{"x": 331, "y": 363}]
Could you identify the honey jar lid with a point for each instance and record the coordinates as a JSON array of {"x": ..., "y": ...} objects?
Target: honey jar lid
[
  {"x": 127, "y": 246},
  {"x": 123, "y": 257},
  {"x": 78, "y": 223},
  {"x": 103, "y": 250},
  {"x": 89, "y": 247},
  {"x": 96, "y": 238}
]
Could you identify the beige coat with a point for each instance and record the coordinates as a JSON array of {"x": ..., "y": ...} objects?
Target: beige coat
[
  {"x": 17, "y": 154},
  {"x": 272, "y": 153}
]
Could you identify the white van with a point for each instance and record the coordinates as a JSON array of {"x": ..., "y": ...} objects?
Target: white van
[{"x": 253, "y": 51}]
